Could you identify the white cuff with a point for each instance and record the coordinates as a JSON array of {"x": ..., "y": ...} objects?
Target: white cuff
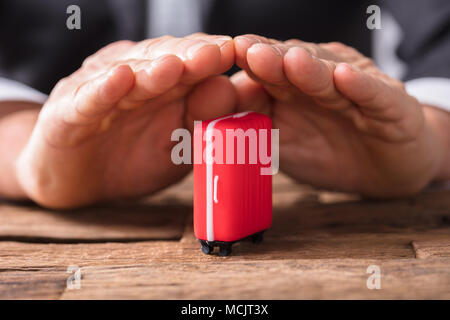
[
  {"x": 16, "y": 91},
  {"x": 433, "y": 91}
]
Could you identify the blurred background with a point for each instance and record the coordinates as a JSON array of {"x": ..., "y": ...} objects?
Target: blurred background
[{"x": 37, "y": 48}]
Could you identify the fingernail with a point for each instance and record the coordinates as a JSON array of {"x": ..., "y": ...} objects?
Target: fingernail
[
  {"x": 249, "y": 39},
  {"x": 292, "y": 50},
  {"x": 158, "y": 60},
  {"x": 277, "y": 51},
  {"x": 194, "y": 48},
  {"x": 348, "y": 66},
  {"x": 223, "y": 41},
  {"x": 274, "y": 49}
]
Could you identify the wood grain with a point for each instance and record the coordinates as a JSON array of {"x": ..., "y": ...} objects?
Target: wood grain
[
  {"x": 126, "y": 222},
  {"x": 177, "y": 270},
  {"x": 431, "y": 248},
  {"x": 319, "y": 247}
]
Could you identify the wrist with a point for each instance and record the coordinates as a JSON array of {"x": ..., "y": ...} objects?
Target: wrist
[
  {"x": 15, "y": 130},
  {"x": 439, "y": 122}
]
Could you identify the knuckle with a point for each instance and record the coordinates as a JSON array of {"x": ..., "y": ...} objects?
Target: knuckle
[
  {"x": 197, "y": 34},
  {"x": 255, "y": 38},
  {"x": 149, "y": 44},
  {"x": 323, "y": 89},
  {"x": 154, "y": 41},
  {"x": 336, "y": 46},
  {"x": 338, "y": 49},
  {"x": 399, "y": 85},
  {"x": 123, "y": 43},
  {"x": 294, "y": 41},
  {"x": 312, "y": 48},
  {"x": 89, "y": 60},
  {"x": 61, "y": 83},
  {"x": 343, "y": 51},
  {"x": 118, "y": 45},
  {"x": 364, "y": 63},
  {"x": 109, "y": 49}
]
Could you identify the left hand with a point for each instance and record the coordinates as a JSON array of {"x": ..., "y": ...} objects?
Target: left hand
[
  {"x": 343, "y": 123},
  {"x": 105, "y": 131}
]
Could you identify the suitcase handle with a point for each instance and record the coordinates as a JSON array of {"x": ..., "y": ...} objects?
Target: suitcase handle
[{"x": 216, "y": 178}]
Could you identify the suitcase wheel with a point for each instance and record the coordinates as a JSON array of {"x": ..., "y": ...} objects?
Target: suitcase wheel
[
  {"x": 225, "y": 250},
  {"x": 257, "y": 238},
  {"x": 206, "y": 248}
]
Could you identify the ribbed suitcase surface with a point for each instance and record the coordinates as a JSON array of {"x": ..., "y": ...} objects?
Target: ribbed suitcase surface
[{"x": 232, "y": 201}]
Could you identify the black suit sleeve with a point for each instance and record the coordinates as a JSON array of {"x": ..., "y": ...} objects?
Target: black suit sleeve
[{"x": 425, "y": 46}]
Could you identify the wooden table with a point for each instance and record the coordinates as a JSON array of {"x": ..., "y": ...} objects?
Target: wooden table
[{"x": 319, "y": 247}]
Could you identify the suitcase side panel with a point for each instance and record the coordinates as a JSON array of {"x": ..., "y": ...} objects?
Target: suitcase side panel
[
  {"x": 245, "y": 196},
  {"x": 244, "y": 204},
  {"x": 199, "y": 171}
]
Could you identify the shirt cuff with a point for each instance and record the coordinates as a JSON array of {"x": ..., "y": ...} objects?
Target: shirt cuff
[
  {"x": 432, "y": 91},
  {"x": 15, "y": 91}
]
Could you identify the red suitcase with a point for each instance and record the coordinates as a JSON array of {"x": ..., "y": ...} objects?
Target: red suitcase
[{"x": 232, "y": 197}]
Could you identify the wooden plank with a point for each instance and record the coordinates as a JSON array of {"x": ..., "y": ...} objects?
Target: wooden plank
[
  {"x": 40, "y": 271},
  {"x": 151, "y": 269},
  {"x": 431, "y": 248},
  {"x": 125, "y": 222},
  {"x": 161, "y": 217},
  {"x": 168, "y": 270},
  {"x": 297, "y": 209},
  {"x": 320, "y": 246},
  {"x": 423, "y": 212},
  {"x": 32, "y": 283},
  {"x": 271, "y": 279}
]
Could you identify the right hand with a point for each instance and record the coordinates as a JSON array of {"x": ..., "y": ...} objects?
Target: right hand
[
  {"x": 104, "y": 132},
  {"x": 344, "y": 125}
]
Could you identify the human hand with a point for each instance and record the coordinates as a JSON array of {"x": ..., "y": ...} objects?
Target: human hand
[
  {"x": 343, "y": 124},
  {"x": 104, "y": 132}
]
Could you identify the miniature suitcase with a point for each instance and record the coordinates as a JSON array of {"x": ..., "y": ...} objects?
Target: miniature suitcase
[{"x": 232, "y": 199}]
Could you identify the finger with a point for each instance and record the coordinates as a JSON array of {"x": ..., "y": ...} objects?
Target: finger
[
  {"x": 98, "y": 96},
  {"x": 251, "y": 95},
  {"x": 315, "y": 77},
  {"x": 152, "y": 78},
  {"x": 212, "y": 98},
  {"x": 321, "y": 51},
  {"x": 110, "y": 52},
  {"x": 266, "y": 62},
  {"x": 374, "y": 96},
  {"x": 289, "y": 72},
  {"x": 94, "y": 65},
  {"x": 380, "y": 103},
  {"x": 201, "y": 58},
  {"x": 226, "y": 45},
  {"x": 243, "y": 43}
]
